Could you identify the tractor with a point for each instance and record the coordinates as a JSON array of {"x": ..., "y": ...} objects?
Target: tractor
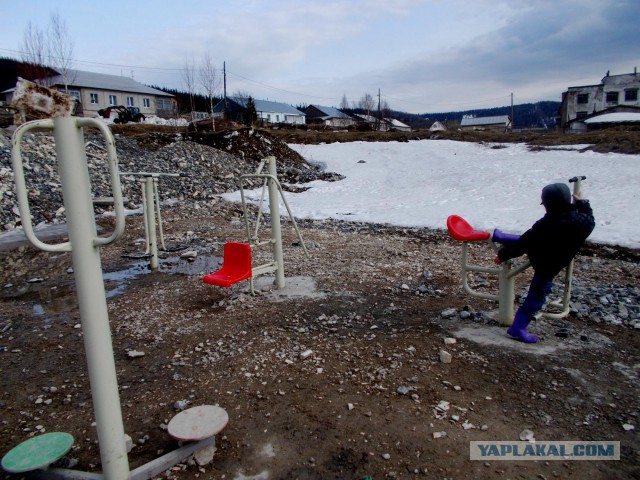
[{"x": 125, "y": 114}]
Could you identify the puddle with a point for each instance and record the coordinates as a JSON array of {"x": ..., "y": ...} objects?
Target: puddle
[{"x": 117, "y": 282}]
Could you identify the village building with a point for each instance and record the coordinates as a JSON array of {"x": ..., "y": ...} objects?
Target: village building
[
  {"x": 328, "y": 116},
  {"x": 500, "y": 123},
  {"x": 614, "y": 94},
  {"x": 269, "y": 113},
  {"x": 99, "y": 91}
]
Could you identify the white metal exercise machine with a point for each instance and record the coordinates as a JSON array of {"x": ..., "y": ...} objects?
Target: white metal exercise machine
[
  {"x": 38, "y": 453},
  {"x": 461, "y": 230},
  {"x": 237, "y": 261},
  {"x": 151, "y": 211}
]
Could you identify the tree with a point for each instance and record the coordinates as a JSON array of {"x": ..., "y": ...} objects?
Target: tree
[
  {"x": 210, "y": 81},
  {"x": 34, "y": 54},
  {"x": 189, "y": 78},
  {"x": 367, "y": 103},
  {"x": 242, "y": 95},
  {"x": 344, "y": 103},
  {"x": 61, "y": 49},
  {"x": 251, "y": 115}
]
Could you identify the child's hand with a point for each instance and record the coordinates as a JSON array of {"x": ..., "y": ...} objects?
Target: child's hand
[{"x": 578, "y": 196}]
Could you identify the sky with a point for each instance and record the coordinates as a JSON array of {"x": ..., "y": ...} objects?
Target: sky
[
  {"x": 419, "y": 55},
  {"x": 420, "y": 183}
]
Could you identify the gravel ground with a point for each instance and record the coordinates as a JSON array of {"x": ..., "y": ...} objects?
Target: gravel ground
[{"x": 340, "y": 374}]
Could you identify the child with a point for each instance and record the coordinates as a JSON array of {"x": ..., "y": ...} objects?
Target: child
[{"x": 551, "y": 243}]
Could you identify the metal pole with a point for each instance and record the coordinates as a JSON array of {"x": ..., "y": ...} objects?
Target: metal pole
[
  {"x": 151, "y": 221},
  {"x": 276, "y": 231},
  {"x": 76, "y": 191},
  {"x": 506, "y": 294}
]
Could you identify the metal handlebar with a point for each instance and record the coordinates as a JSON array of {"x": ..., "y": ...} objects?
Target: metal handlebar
[{"x": 21, "y": 187}]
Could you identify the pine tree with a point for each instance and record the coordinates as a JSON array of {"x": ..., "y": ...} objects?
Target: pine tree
[{"x": 251, "y": 114}]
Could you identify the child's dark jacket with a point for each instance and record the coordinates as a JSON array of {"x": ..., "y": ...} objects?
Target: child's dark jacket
[{"x": 553, "y": 241}]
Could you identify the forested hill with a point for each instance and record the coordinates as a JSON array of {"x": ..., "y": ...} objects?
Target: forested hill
[{"x": 526, "y": 115}]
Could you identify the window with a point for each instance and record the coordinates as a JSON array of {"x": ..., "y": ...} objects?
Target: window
[
  {"x": 113, "y": 101},
  {"x": 278, "y": 118},
  {"x": 581, "y": 114},
  {"x": 163, "y": 104},
  {"x": 583, "y": 98},
  {"x": 631, "y": 95},
  {"x": 129, "y": 101},
  {"x": 146, "y": 103},
  {"x": 94, "y": 98},
  {"x": 75, "y": 94},
  {"x": 612, "y": 97}
]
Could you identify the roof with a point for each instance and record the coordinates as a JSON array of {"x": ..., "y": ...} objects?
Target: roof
[
  {"x": 102, "y": 81},
  {"x": 331, "y": 112},
  {"x": 396, "y": 123},
  {"x": 268, "y": 106},
  {"x": 615, "y": 117},
  {"x": 500, "y": 119}
]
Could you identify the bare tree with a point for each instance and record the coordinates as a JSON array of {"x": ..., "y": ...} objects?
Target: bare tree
[
  {"x": 34, "y": 54},
  {"x": 344, "y": 103},
  {"x": 61, "y": 49},
  {"x": 242, "y": 95},
  {"x": 367, "y": 103},
  {"x": 189, "y": 78},
  {"x": 210, "y": 81}
]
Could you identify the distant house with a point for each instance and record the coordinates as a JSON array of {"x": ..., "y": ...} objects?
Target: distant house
[
  {"x": 614, "y": 91},
  {"x": 96, "y": 91},
  {"x": 382, "y": 125},
  {"x": 500, "y": 123},
  {"x": 620, "y": 115},
  {"x": 329, "y": 116},
  {"x": 397, "y": 125},
  {"x": 269, "y": 112},
  {"x": 437, "y": 127}
]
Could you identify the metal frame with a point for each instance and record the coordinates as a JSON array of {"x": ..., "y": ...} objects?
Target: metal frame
[
  {"x": 273, "y": 187},
  {"x": 151, "y": 210},
  {"x": 506, "y": 280},
  {"x": 84, "y": 245}
]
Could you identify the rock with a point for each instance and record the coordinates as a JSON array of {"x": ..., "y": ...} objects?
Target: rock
[
  {"x": 527, "y": 436},
  {"x": 128, "y": 443},
  {"x": 180, "y": 405},
  {"x": 403, "y": 390},
  {"x": 204, "y": 456},
  {"x": 135, "y": 354},
  {"x": 449, "y": 341},
  {"x": 448, "y": 313},
  {"x": 445, "y": 357},
  {"x": 306, "y": 354},
  {"x": 628, "y": 427},
  {"x": 439, "y": 434}
]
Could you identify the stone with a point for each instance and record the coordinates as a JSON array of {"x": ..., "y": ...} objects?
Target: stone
[
  {"x": 445, "y": 357},
  {"x": 204, "y": 456}
]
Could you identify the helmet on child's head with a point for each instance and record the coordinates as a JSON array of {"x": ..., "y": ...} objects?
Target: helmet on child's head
[{"x": 556, "y": 196}]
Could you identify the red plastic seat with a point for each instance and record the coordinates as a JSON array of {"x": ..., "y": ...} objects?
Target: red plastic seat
[
  {"x": 236, "y": 266},
  {"x": 460, "y": 229}
]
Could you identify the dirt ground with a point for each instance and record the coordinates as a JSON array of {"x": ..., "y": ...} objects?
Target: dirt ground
[{"x": 367, "y": 302}]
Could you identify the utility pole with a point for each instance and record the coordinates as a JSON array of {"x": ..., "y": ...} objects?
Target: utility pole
[
  {"x": 224, "y": 76},
  {"x": 512, "y": 111},
  {"x": 379, "y": 114}
]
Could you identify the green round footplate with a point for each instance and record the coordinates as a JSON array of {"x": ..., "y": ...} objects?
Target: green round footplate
[{"x": 37, "y": 452}]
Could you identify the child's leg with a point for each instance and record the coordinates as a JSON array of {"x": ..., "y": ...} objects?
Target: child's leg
[{"x": 538, "y": 290}]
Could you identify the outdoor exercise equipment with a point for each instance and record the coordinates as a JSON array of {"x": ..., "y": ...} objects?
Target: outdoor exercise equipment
[
  {"x": 84, "y": 245},
  {"x": 237, "y": 258},
  {"x": 151, "y": 210},
  {"x": 37, "y": 452},
  {"x": 462, "y": 231}
]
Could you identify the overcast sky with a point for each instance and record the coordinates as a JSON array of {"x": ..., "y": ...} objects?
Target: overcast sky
[{"x": 423, "y": 55}]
